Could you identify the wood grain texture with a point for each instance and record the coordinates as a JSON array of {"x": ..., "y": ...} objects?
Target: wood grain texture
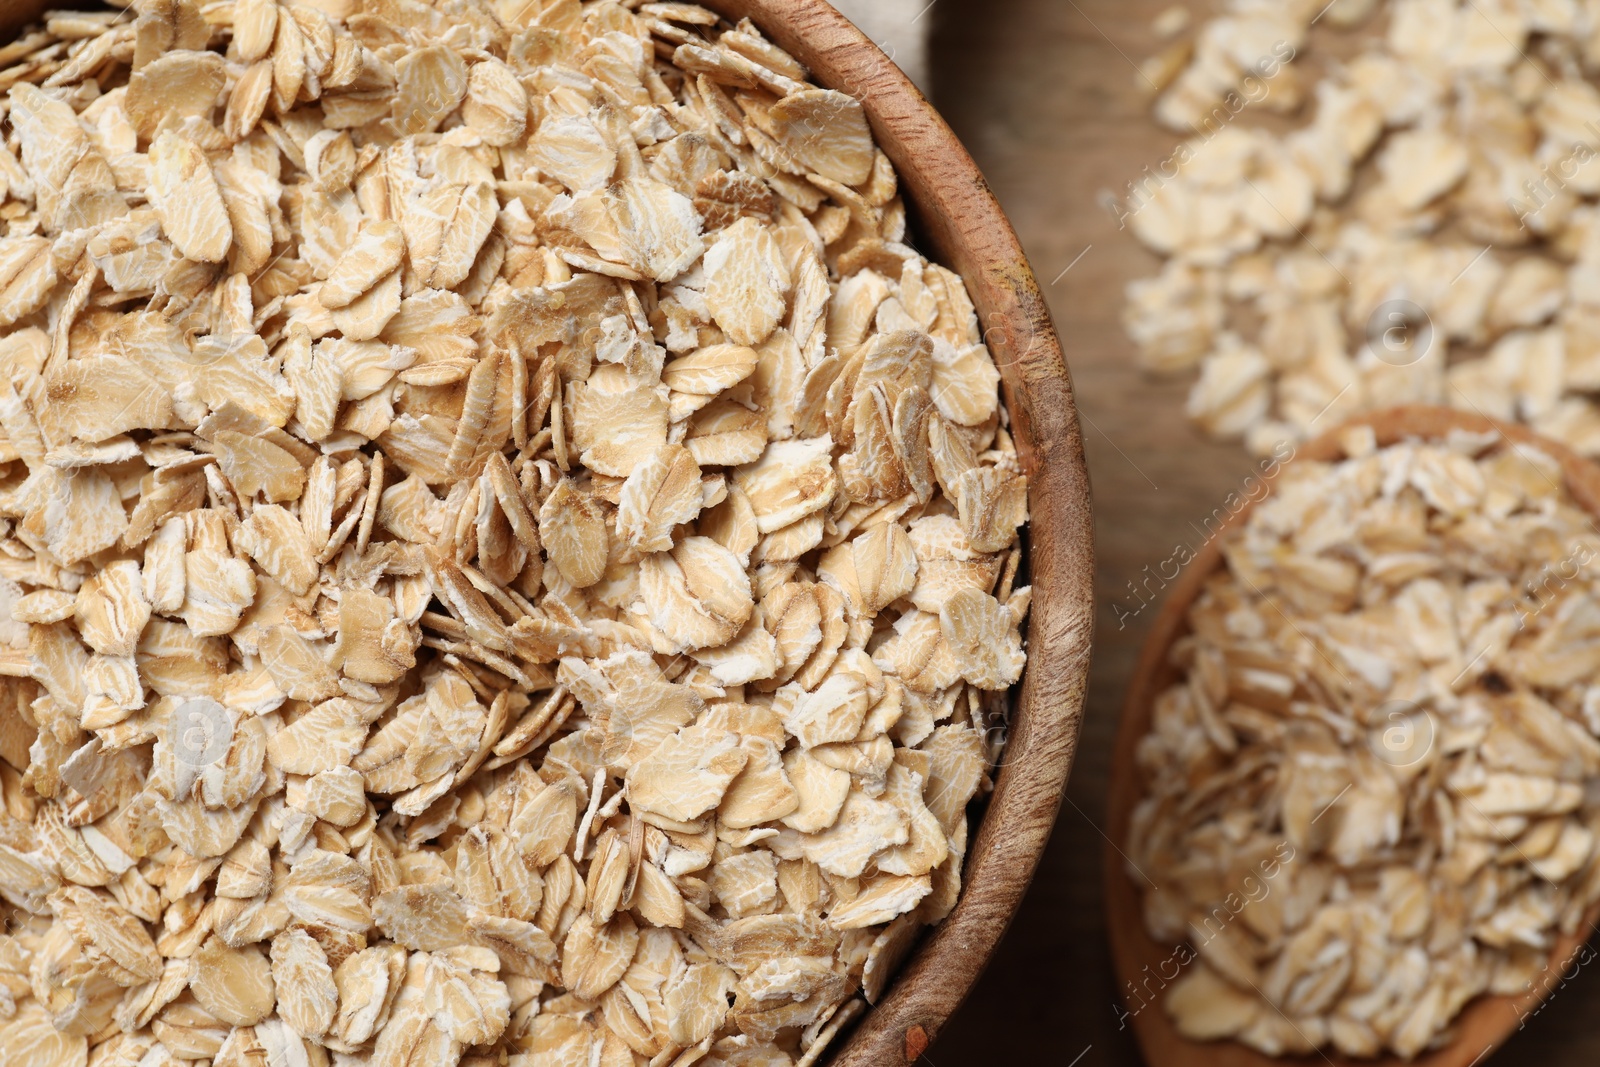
[
  {"x": 960, "y": 223},
  {"x": 1486, "y": 1022},
  {"x": 15, "y": 14}
]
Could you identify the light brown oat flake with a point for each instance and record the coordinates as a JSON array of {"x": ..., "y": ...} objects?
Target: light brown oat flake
[
  {"x": 374, "y": 254},
  {"x": 1399, "y": 175},
  {"x": 185, "y": 196},
  {"x": 825, "y": 131},
  {"x": 747, "y": 282},
  {"x": 662, "y": 493}
]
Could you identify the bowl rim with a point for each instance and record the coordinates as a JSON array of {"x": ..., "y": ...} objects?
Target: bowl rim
[
  {"x": 1133, "y": 951},
  {"x": 960, "y": 220}
]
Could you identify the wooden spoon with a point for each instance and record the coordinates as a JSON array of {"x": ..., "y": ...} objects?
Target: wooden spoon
[{"x": 1143, "y": 967}]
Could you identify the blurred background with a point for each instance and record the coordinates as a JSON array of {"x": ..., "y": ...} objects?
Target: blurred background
[{"x": 1046, "y": 97}]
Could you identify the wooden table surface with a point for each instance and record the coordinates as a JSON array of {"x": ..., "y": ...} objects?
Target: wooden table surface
[{"x": 1045, "y": 96}]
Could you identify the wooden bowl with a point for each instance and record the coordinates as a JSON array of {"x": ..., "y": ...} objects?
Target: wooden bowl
[
  {"x": 1488, "y": 1020},
  {"x": 958, "y": 223},
  {"x": 15, "y": 14}
]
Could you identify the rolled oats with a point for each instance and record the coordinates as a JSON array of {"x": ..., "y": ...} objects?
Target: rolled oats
[
  {"x": 504, "y": 540},
  {"x": 1365, "y": 798},
  {"x": 1424, "y": 233}
]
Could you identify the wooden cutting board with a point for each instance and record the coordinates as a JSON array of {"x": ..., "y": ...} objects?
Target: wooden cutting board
[{"x": 1044, "y": 94}]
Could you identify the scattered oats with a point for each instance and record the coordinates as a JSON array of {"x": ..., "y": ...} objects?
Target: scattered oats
[{"x": 1426, "y": 233}]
